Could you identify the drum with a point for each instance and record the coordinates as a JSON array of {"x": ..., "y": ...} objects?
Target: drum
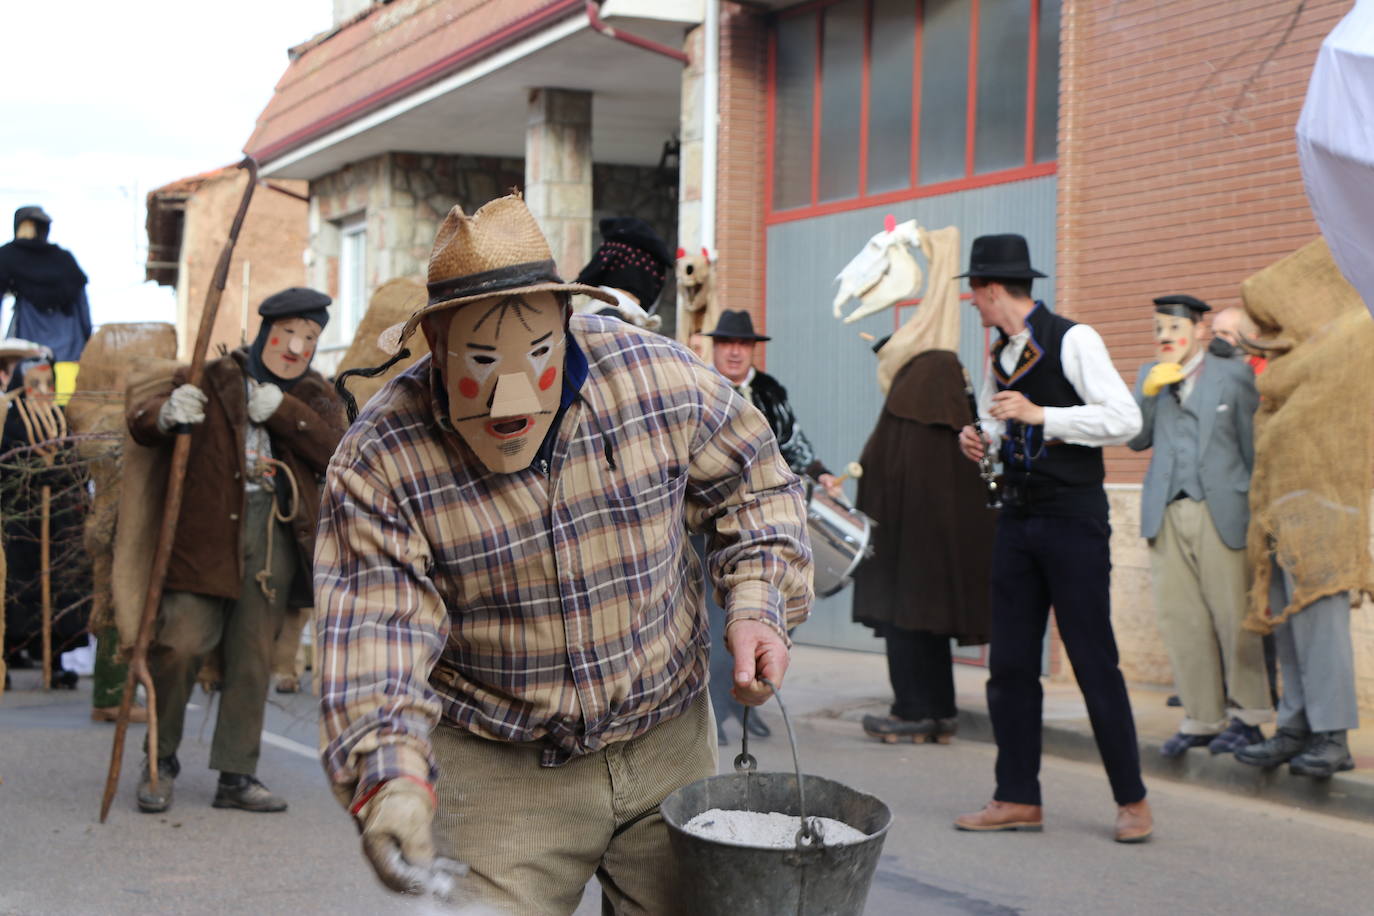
[{"x": 841, "y": 539}]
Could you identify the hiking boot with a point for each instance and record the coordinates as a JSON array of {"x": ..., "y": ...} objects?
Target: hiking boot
[
  {"x": 1326, "y": 755},
  {"x": 1238, "y": 735},
  {"x": 156, "y": 802},
  {"x": 239, "y": 790},
  {"x": 892, "y": 729},
  {"x": 1286, "y": 744}
]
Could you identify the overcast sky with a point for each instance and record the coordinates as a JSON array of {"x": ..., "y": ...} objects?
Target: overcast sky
[{"x": 105, "y": 101}]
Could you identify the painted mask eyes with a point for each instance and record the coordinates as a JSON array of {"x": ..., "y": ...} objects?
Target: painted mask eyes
[
  {"x": 481, "y": 365},
  {"x": 539, "y": 357}
]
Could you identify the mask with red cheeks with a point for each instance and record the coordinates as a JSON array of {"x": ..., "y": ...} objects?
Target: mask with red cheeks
[
  {"x": 290, "y": 346},
  {"x": 502, "y": 368},
  {"x": 1176, "y": 338}
]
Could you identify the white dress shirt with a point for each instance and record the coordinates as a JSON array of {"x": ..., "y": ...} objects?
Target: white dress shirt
[{"x": 1108, "y": 415}]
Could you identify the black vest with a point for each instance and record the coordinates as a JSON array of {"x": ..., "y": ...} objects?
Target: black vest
[{"x": 1046, "y": 478}]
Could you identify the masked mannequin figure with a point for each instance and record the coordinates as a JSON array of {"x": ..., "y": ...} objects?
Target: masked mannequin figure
[
  {"x": 48, "y": 286},
  {"x": 263, "y": 426},
  {"x": 512, "y": 642},
  {"x": 1198, "y": 417}
]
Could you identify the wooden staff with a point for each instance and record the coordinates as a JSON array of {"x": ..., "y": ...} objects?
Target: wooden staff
[
  {"x": 176, "y": 477},
  {"x": 44, "y": 423}
]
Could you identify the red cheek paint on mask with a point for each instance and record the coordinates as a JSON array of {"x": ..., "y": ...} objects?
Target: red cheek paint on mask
[
  {"x": 547, "y": 378},
  {"x": 468, "y": 388},
  {"x": 273, "y": 341}
]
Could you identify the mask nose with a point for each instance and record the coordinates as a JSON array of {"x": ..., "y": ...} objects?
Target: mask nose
[
  {"x": 295, "y": 346},
  {"x": 514, "y": 397}
]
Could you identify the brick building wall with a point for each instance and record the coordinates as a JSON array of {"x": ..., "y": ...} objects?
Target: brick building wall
[
  {"x": 742, "y": 160},
  {"x": 1177, "y": 163},
  {"x": 1178, "y": 172}
]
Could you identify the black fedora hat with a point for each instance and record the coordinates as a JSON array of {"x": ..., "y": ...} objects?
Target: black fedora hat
[
  {"x": 736, "y": 324},
  {"x": 1000, "y": 257}
]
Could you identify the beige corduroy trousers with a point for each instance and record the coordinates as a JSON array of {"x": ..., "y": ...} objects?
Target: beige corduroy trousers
[{"x": 534, "y": 836}]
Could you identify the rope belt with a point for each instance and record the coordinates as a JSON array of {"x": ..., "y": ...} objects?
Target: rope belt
[{"x": 269, "y": 467}]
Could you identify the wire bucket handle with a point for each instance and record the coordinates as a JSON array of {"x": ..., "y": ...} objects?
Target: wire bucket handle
[{"x": 811, "y": 834}]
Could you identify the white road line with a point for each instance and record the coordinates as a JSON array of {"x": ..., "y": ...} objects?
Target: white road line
[{"x": 287, "y": 744}]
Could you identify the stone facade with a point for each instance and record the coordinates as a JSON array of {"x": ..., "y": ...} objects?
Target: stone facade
[
  {"x": 403, "y": 198},
  {"x": 558, "y": 173}
]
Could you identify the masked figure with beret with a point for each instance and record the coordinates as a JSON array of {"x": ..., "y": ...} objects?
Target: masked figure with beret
[
  {"x": 263, "y": 426},
  {"x": 1198, "y": 411},
  {"x": 511, "y": 634}
]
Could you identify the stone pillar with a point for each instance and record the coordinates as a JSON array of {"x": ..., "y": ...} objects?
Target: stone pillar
[{"x": 558, "y": 173}]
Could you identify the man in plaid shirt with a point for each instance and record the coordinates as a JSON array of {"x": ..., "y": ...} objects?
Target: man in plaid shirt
[{"x": 513, "y": 651}]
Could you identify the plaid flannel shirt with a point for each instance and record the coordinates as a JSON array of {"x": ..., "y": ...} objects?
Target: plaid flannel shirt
[{"x": 563, "y": 608}]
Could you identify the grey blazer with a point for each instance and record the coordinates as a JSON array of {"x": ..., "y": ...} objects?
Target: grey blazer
[{"x": 1224, "y": 400}]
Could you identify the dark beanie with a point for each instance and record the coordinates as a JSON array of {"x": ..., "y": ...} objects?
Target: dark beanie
[
  {"x": 296, "y": 302},
  {"x": 632, "y": 257}
]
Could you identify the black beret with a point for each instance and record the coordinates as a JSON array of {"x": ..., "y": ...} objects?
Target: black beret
[
  {"x": 634, "y": 231},
  {"x": 1182, "y": 306},
  {"x": 297, "y": 302}
]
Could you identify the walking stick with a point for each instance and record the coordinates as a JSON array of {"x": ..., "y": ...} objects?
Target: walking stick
[
  {"x": 43, "y": 423},
  {"x": 176, "y": 476}
]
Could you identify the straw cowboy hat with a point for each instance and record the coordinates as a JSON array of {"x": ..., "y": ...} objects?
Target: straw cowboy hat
[{"x": 498, "y": 251}]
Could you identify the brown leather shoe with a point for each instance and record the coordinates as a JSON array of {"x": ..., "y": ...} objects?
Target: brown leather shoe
[
  {"x": 1134, "y": 823},
  {"x": 1003, "y": 816}
]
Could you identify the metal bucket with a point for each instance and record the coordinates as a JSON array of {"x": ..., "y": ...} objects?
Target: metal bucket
[{"x": 727, "y": 879}]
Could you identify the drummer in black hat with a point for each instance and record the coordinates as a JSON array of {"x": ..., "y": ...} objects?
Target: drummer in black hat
[
  {"x": 1050, "y": 400},
  {"x": 734, "y": 342}
]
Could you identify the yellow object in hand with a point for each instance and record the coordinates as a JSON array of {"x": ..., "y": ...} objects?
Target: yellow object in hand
[{"x": 1160, "y": 375}]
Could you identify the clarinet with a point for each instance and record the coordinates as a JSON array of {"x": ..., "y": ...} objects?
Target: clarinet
[{"x": 985, "y": 464}]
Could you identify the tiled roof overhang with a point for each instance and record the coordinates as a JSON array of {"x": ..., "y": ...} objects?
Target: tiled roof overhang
[{"x": 394, "y": 50}]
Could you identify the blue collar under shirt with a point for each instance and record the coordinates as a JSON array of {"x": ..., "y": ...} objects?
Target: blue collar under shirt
[{"x": 575, "y": 371}]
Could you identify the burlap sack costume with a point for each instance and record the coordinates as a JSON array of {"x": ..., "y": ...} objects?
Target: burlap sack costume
[
  {"x": 391, "y": 304},
  {"x": 97, "y": 410},
  {"x": 1314, "y": 434},
  {"x": 141, "y": 499}
]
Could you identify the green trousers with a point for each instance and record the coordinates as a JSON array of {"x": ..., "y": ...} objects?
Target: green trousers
[{"x": 190, "y": 626}]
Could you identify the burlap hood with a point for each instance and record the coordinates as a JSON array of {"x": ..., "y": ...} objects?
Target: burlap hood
[{"x": 1314, "y": 434}]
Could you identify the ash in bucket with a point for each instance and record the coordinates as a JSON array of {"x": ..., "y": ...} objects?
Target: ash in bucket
[{"x": 767, "y": 830}]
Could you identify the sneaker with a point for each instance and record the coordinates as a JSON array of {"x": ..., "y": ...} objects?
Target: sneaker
[
  {"x": 1237, "y": 735},
  {"x": 1286, "y": 744},
  {"x": 1180, "y": 743},
  {"x": 239, "y": 790},
  {"x": 152, "y": 801},
  {"x": 1326, "y": 755}
]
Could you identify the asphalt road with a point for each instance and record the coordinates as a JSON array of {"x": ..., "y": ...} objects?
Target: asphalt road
[{"x": 1213, "y": 853}]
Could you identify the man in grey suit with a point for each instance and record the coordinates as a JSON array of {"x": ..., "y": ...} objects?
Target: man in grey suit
[{"x": 1198, "y": 412}]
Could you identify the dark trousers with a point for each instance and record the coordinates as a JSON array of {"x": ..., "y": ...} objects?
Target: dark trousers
[
  {"x": 921, "y": 668},
  {"x": 1039, "y": 561}
]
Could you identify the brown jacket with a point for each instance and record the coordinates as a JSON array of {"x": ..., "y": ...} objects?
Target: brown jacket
[{"x": 305, "y": 429}]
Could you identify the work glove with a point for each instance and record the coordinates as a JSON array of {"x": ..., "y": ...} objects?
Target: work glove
[
  {"x": 398, "y": 836},
  {"x": 1160, "y": 375},
  {"x": 263, "y": 400},
  {"x": 186, "y": 404}
]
